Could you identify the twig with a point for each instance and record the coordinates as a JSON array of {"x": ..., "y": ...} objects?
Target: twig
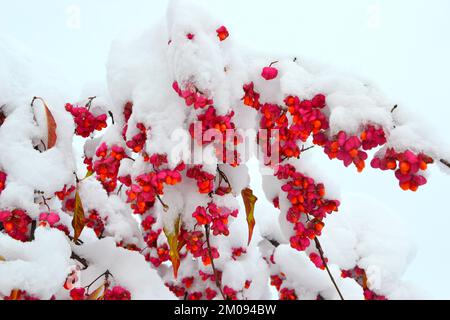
[
  {"x": 306, "y": 149},
  {"x": 112, "y": 116},
  {"x": 32, "y": 229},
  {"x": 83, "y": 261},
  {"x": 166, "y": 207},
  {"x": 106, "y": 275},
  {"x": 322, "y": 255},
  {"x": 445, "y": 162},
  {"x": 45, "y": 203},
  {"x": 216, "y": 275},
  {"x": 394, "y": 108}
]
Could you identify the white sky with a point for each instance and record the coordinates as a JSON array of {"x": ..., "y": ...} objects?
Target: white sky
[{"x": 404, "y": 46}]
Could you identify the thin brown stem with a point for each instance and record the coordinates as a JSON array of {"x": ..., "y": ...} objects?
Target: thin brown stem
[
  {"x": 445, "y": 162},
  {"x": 76, "y": 257},
  {"x": 322, "y": 256},
  {"x": 216, "y": 274}
]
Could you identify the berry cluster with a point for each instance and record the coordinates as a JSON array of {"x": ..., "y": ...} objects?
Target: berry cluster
[
  {"x": 18, "y": 295},
  {"x": 107, "y": 165},
  {"x": 3, "y": 177},
  {"x": 149, "y": 186},
  {"x": 205, "y": 180},
  {"x": 359, "y": 275},
  {"x": 86, "y": 123},
  {"x": 95, "y": 222},
  {"x": 349, "y": 149},
  {"x": 137, "y": 143},
  {"x": 16, "y": 224},
  {"x": 216, "y": 215},
  {"x": 306, "y": 198},
  {"x": 407, "y": 166},
  {"x": 116, "y": 293},
  {"x": 192, "y": 96}
]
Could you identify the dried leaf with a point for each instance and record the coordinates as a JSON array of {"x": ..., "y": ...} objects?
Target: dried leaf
[
  {"x": 15, "y": 294},
  {"x": 96, "y": 294},
  {"x": 249, "y": 202},
  {"x": 78, "y": 222},
  {"x": 175, "y": 246},
  {"x": 2, "y": 258},
  {"x": 51, "y": 125}
]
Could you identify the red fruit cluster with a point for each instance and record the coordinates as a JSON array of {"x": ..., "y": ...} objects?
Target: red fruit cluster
[
  {"x": 107, "y": 165},
  {"x": 251, "y": 97},
  {"x": 95, "y": 222},
  {"x": 49, "y": 218},
  {"x": 359, "y": 275},
  {"x": 306, "y": 198},
  {"x": 117, "y": 293},
  {"x": 205, "y": 180},
  {"x": 137, "y": 143},
  {"x": 16, "y": 224},
  {"x": 216, "y": 215},
  {"x": 86, "y": 123},
  {"x": 317, "y": 260},
  {"x": 192, "y": 96},
  {"x": 18, "y": 295},
  {"x": 222, "y": 33},
  {"x": 277, "y": 281},
  {"x": 288, "y": 294},
  {"x": 211, "y": 121},
  {"x": 307, "y": 116},
  {"x": 408, "y": 167},
  {"x": 3, "y": 177},
  {"x": 196, "y": 245},
  {"x": 349, "y": 149},
  {"x": 78, "y": 294},
  {"x": 307, "y": 119},
  {"x": 149, "y": 186}
]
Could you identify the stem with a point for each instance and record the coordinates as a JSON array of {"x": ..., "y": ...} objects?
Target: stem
[
  {"x": 45, "y": 203},
  {"x": 89, "y": 103},
  {"x": 76, "y": 257},
  {"x": 445, "y": 162},
  {"x": 322, "y": 255},
  {"x": 166, "y": 207},
  {"x": 216, "y": 277},
  {"x": 112, "y": 116},
  {"x": 106, "y": 275},
  {"x": 273, "y": 63},
  {"x": 394, "y": 108}
]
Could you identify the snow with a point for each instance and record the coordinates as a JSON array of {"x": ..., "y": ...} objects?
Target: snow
[
  {"x": 129, "y": 269},
  {"x": 142, "y": 70},
  {"x": 39, "y": 267}
]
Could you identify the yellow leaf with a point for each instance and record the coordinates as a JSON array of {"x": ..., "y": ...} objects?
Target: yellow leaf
[
  {"x": 249, "y": 202},
  {"x": 96, "y": 294},
  {"x": 175, "y": 246},
  {"x": 78, "y": 222}
]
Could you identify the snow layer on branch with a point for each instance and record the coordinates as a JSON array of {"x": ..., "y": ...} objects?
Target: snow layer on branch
[
  {"x": 128, "y": 268},
  {"x": 369, "y": 235},
  {"x": 23, "y": 77},
  {"x": 39, "y": 267},
  {"x": 120, "y": 223},
  {"x": 310, "y": 281}
]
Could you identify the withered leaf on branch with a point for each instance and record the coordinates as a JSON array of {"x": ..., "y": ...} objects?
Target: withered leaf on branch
[
  {"x": 249, "y": 202},
  {"x": 78, "y": 221}
]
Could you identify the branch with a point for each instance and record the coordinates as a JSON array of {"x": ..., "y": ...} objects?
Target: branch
[
  {"x": 216, "y": 275},
  {"x": 83, "y": 261},
  {"x": 322, "y": 255}
]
